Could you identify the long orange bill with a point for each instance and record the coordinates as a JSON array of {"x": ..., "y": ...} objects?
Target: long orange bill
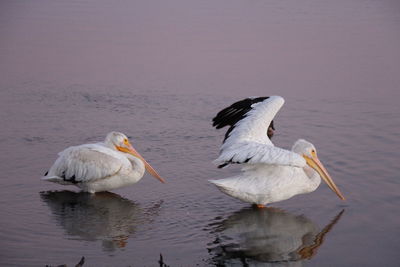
[
  {"x": 148, "y": 167},
  {"x": 317, "y": 165}
]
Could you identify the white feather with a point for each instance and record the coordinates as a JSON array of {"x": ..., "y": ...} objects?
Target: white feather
[
  {"x": 259, "y": 153},
  {"x": 88, "y": 162},
  {"x": 254, "y": 126},
  {"x": 264, "y": 184}
]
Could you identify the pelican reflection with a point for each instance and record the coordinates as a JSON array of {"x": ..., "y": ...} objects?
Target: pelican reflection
[
  {"x": 266, "y": 237},
  {"x": 102, "y": 216}
]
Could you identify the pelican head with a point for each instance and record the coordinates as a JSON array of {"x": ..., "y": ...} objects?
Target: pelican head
[
  {"x": 120, "y": 142},
  {"x": 309, "y": 153}
]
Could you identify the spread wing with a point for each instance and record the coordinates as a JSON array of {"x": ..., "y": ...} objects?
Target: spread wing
[
  {"x": 246, "y": 140},
  {"x": 234, "y": 113},
  {"x": 86, "y": 163}
]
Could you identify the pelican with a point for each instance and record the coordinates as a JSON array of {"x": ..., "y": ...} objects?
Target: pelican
[
  {"x": 101, "y": 166},
  {"x": 269, "y": 174}
]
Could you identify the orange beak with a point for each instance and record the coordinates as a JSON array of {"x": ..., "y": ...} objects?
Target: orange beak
[
  {"x": 314, "y": 163},
  {"x": 129, "y": 149}
]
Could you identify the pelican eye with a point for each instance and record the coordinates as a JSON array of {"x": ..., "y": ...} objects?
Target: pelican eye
[{"x": 313, "y": 152}]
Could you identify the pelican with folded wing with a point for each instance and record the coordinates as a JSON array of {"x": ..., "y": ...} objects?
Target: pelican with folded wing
[
  {"x": 269, "y": 174},
  {"x": 98, "y": 167}
]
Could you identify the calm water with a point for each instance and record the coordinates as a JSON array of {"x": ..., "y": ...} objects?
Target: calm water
[{"x": 74, "y": 70}]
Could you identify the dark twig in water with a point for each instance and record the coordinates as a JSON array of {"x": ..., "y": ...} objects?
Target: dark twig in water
[
  {"x": 82, "y": 261},
  {"x": 80, "y": 264},
  {"x": 161, "y": 262}
]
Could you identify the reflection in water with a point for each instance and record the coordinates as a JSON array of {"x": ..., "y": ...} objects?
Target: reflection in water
[
  {"x": 102, "y": 216},
  {"x": 266, "y": 237}
]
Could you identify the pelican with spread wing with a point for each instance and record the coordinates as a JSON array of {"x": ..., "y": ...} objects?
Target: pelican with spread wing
[
  {"x": 270, "y": 174},
  {"x": 98, "y": 167}
]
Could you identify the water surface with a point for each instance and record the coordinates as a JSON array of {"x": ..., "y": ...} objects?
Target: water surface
[{"x": 159, "y": 71}]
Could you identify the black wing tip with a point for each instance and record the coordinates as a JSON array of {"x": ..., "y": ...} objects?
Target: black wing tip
[
  {"x": 222, "y": 165},
  {"x": 229, "y": 116},
  {"x": 71, "y": 179},
  {"x": 233, "y": 162}
]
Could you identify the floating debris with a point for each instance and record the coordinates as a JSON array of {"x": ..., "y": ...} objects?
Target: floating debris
[
  {"x": 80, "y": 264},
  {"x": 161, "y": 262}
]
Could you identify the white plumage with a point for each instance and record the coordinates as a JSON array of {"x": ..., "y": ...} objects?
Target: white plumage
[
  {"x": 100, "y": 167},
  {"x": 270, "y": 174}
]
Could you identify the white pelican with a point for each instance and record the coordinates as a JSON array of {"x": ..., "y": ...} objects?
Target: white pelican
[
  {"x": 101, "y": 166},
  {"x": 270, "y": 174}
]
